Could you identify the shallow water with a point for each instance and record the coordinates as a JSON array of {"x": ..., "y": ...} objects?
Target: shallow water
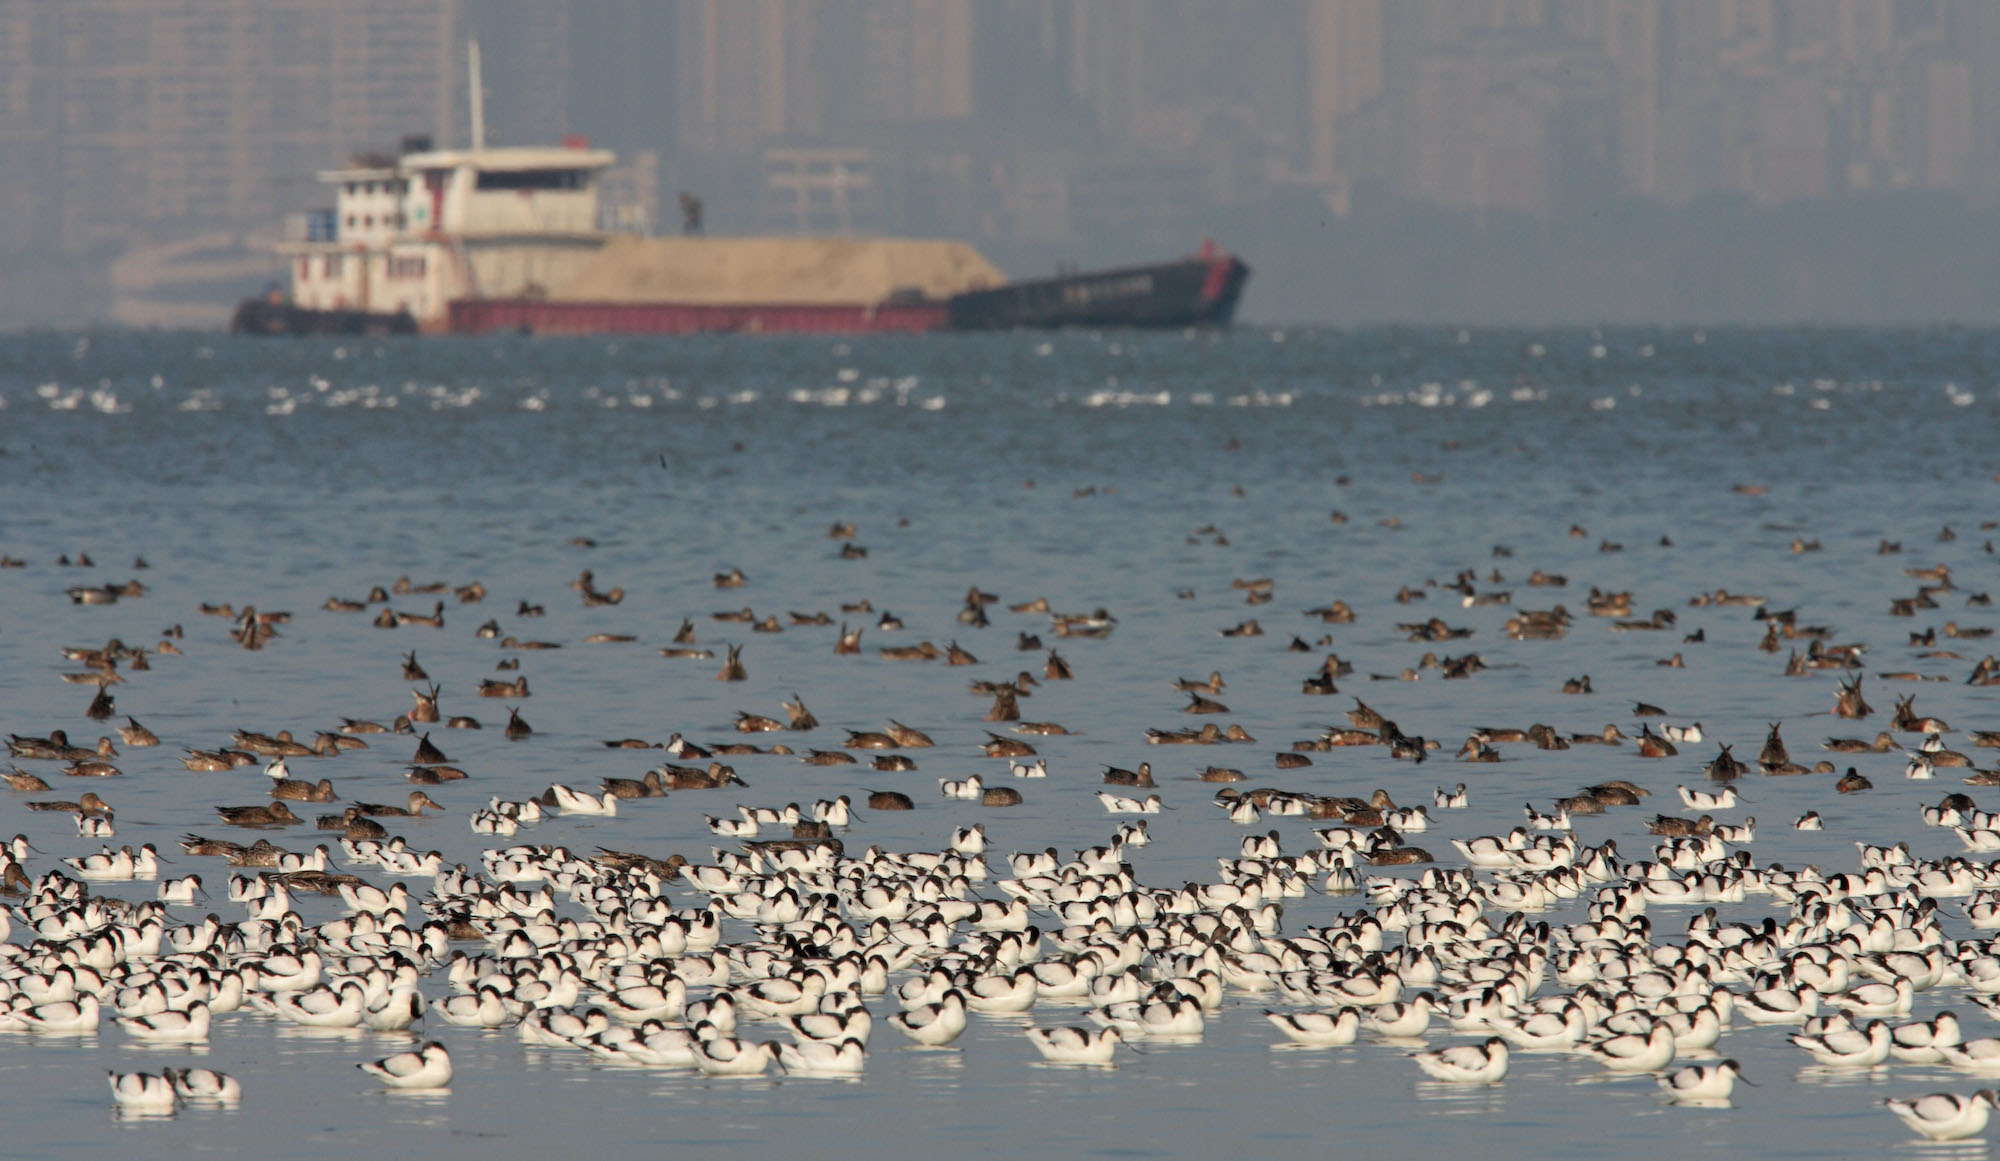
[{"x": 1077, "y": 467}]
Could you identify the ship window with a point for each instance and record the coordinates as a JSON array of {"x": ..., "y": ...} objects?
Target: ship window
[
  {"x": 351, "y": 187},
  {"x": 331, "y": 265},
  {"x": 406, "y": 266},
  {"x": 531, "y": 179},
  {"x": 350, "y": 221}
]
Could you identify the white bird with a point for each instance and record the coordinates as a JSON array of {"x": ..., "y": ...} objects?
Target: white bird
[
  {"x": 1980, "y": 1057},
  {"x": 732, "y": 827},
  {"x": 484, "y": 1009},
  {"x": 937, "y": 1024},
  {"x": 577, "y": 802},
  {"x": 1632, "y": 1052},
  {"x": 1486, "y": 851},
  {"x": 278, "y": 771},
  {"x": 1945, "y": 1116},
  {"x": 1702, "y": 1083},
  {"x": 1688, "y": 733},
  {"x": 969, "y": 840},
  {"x": 395, "y": 1011},
  {"x": 428, "y": 1067},
  {"x": 1810, "y": 820},
  {"x": 1466, "y": 1063},
  {"x": 187, "y": 1027},
  {"x": 1172, "y": 1017},
  {"x": 1877, "y": 999},
  {"x": 1848, "y": 1047},
  {"x": 718, "y": 1011},
  {"x": 105, "y": 866},
  {"x": 1737, "y": 835},
  {"x": 142, "y": 1090},
  {"x": 81, "y": 1014},
  {"x": 1003, "y": 993},
  {"x": 1543, "y": 1031},
  {"x": 1072, "y": 1045},
  {"x": 832, "y": 1027},
  {"x": 823, "y": 1058},
  {"x": 328, "y": 1007},
  {"x": 1039, "y": 768},
  {"x": 1778, "y": 1005},
  {"x": 204, "y": 1084},
  {"x": 94, "y": 826},
  {"x": 972, "y": 787},
  {"x": 179, "y": 890},
  {"x": 1318, "y": 1029},
  {"x": 1919, "y": 1042},
  {"x": 728, "y": 1056},
  {"x": 1451, "y": 799},
  {"x": 1117, "y": 804},
  {"x": 1706, "y": 800},
  {"x": 1402, "y": 1020}
]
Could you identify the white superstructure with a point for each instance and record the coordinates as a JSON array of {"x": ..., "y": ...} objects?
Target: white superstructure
[{"x": 412, "y": 233}]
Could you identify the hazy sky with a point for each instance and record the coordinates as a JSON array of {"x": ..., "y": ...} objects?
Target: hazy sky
[{"x": 1374, "y": 160}]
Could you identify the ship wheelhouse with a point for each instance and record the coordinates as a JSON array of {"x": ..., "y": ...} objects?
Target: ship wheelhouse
[{"x": 409, "y": 234}]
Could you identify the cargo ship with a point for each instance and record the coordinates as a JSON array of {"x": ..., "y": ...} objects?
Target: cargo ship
[{"x": 507, "y": 240}]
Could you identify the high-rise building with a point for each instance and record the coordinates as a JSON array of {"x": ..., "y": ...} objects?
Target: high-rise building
[
  {"x": 916, "y": 58},
  {"x": 1344, "y": 69},
  {"x": 747, "y": 74},
  {"x": 127, "y": 121}
]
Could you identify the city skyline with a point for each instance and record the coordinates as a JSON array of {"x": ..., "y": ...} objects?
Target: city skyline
[{"x": 1543, "y": 141}]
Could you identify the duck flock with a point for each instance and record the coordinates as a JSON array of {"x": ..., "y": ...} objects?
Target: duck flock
[{"x": 1626, "y": 923}]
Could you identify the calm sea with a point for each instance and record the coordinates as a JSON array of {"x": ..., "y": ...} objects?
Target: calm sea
[{"x": 1137, "y": 473}]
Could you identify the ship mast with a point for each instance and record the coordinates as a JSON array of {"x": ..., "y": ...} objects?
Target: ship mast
[{"x": 478, "y": 94}]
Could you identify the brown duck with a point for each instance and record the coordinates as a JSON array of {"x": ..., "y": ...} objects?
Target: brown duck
[
  {"x": 299, "y": 790},
  {"x": 414, "y": 809},
  {"x": 274, "y": 814}
]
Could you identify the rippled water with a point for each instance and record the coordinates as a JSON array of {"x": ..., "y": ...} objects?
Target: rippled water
[{"x": 1077, "y": 467}]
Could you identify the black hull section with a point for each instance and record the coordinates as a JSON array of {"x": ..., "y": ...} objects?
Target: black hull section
[
  {"x": 260, "y": 316},
  {"x": 1190, "y": 293}
]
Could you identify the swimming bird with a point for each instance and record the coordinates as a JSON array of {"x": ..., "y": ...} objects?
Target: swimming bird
[
  {"x": 190, "y": 1025},
  {"x": 142, "y": 1091},
  {"x": 1119, "y": 805},
  {"x": 935, "y": 1024},
  {"x": 1702, "y": 1083},
  {"x": 571, "y": 801},
  {"x": 1484, "y": 1063},
  {"x": 275, "y": 814},
  {"x": 1072, "y": 1045},
  {"x": 728, "y": 1056},
  {"x": 204, "y": 1084},
  {"x": 1632, "y": 1052},
  {"x": 1848, "y": 1047},
  {"x": 1944, "y": 1116},
  {"x": 413, "y": 808},
  {"x": 1318, "y": 1029},
  {"x": 428, "y": 1067},
  {"x": 848, "y": 1057}
]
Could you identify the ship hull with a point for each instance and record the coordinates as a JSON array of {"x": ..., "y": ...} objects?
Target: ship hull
[
  {"x": 480, "y": 316},
  {"x": 1195, "y": 292},
  {"x": 261, "y": 316}
]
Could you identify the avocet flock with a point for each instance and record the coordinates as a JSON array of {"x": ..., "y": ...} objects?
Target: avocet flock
[{"x": 782, "y": 950}]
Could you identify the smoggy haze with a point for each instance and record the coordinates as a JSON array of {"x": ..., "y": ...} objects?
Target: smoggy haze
[{"x": 1374, "y": 160}]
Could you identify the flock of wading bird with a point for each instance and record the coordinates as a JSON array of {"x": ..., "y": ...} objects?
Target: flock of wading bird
[{"x": 780, "y": 951}]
